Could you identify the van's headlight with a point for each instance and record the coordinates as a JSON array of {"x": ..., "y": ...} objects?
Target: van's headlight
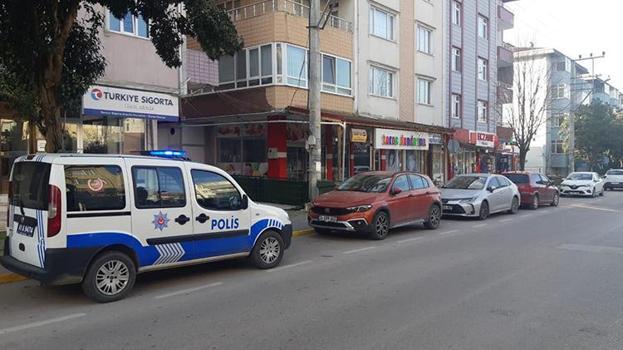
[
  {"x": 468, "y": 200},
  {"x": 360, "y": 208}
]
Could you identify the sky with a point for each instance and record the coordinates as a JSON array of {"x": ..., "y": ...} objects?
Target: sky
[{"x": 574, "y": 27}]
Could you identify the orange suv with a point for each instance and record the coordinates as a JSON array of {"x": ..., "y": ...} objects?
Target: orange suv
[{"x": 374, "y": 202}]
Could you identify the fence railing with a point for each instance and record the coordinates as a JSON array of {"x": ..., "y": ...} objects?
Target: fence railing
[{"x": 288, "y": 6}]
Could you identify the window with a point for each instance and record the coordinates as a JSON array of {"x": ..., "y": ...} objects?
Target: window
[
  {"x": 423, "y": 91},
  {"x": 563, "y": 66},
  {"x": 483, "y": 69},
  {"x": 336, "y": 75},
  {"x": 424, "y": 39},
  {"x": 94, "y": 187},
  {"x": 381, "y": 23},
  {"x": 503, "y": 181},
  {"x": 297, "y": 66},
  {"x": 401, "y": 183},
  {"x": 30, "y": 185},
  {"x": 215, "y": 192},
  {"x": 456, "y": 13},
  {"x": 483, "y": 111},
  {"x": 129, "y": 24},
  {"x": 456, "y": 106},
  {"x": 418, "y": 182},
  {"x": 456, "y": 59},
  {"x": 483, "y": 27},
  {"x": 557, "y": 146},
  {"x": 158, "y": 187},
  {"x": 233, "y": 69},
  {"x": 229, "y": 150},
  {"x": 559, "y": 91},
  {"x": 535, "y": 178},
  {"x": 557, "y": 120},
  {"x": 226, "y": 74},
  {"x": 381, "y": 82}
]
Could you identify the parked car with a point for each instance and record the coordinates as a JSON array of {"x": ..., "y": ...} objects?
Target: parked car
[
  {"x": 582, "y": 183},
  {"x": 613, "y": 179},
  {"x": 479, "y": 195},
  {"x": 535, "y": 189},
  {"x": 99, "y": 220},
  {"x": 374, "y": 202}
]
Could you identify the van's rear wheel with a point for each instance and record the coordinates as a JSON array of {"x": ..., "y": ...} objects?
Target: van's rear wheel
[
  {"x": 110, "y": 277},
  {"x": 268, "y": 250}
]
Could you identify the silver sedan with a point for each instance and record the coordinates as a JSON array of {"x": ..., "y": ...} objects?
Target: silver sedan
[{"x": 479, "y": 195}]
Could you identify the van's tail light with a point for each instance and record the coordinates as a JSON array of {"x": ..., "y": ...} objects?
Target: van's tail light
[
  {"x": 54, "y": 211},
  {"x": 8, "y": 212}
]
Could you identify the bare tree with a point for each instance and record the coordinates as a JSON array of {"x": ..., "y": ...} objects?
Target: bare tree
[{"x": 527, "y": 112}]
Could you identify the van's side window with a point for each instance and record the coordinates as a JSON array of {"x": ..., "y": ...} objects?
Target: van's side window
[
  {"x": 158, "y": 187},
  {"x": 94, "y": 187},
  {"x": 215, "y": 192}
]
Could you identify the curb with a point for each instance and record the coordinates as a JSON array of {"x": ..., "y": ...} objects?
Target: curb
[{"x": 12, "y": 277}]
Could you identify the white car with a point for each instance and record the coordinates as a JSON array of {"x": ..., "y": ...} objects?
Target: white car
[
  {"x": 613, "y": 179},
  {"x": 582, "y": 184}
]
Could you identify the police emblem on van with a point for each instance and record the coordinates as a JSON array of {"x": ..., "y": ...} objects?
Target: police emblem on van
[{"x": 161, "y": 221}]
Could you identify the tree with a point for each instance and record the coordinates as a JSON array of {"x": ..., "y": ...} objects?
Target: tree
[
  {"x": 597, "y": 135},
  {"x": 50, "y": 51},
  {"x": 531, "y": 99}
]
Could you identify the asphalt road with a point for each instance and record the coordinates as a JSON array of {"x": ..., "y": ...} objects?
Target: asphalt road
[{"x": 545, "y": 279}]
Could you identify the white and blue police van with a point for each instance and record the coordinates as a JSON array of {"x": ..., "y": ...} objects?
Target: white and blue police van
[{"x": 99, "y": 220}]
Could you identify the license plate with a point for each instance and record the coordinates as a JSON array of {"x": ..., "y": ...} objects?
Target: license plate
[
  {"x": 327, "y": 218},
  {"x": 25, "y": 225},
  {"x": 447, "y": 207}
]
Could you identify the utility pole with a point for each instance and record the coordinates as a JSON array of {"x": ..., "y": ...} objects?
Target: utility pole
[
  {"x": 315, "y": 133},
  {"x": 592, "y": 58}
]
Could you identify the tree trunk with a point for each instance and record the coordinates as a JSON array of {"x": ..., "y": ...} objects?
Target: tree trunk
[
  {"x": 51, "y": 119},
  {"x": 522, "y": 159}
]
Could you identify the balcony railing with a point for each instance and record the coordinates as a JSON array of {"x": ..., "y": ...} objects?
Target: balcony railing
[{"x": 291, "y": 7}]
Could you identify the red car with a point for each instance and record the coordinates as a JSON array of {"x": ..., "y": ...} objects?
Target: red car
[
  {"x": 535, "y": 189},
  {"x": 374, "y": 202}
]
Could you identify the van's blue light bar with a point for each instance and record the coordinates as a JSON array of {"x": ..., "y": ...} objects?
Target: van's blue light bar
[{"x": 167, "y": 153}]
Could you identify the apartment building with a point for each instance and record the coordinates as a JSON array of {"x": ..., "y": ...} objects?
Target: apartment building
[
  {"x": 478, "y": 68},
  {"x": 120, "y": 112},
  {"x": 568, "y": 87}
]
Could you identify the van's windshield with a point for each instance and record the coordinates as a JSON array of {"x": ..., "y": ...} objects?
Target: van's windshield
[{"x": 30, "y": 185}]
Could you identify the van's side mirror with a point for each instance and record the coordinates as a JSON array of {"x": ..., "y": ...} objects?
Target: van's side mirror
[{"x": 245, "y": 202}]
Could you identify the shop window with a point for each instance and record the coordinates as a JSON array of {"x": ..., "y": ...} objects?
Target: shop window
[
  {"x": 94, "y": 187},
  {"x": 215, "y": 192},
  {"x": 254, "y": 150},
  {"x": 229, "y": 150},
  {"x": 158, "y": 187}
]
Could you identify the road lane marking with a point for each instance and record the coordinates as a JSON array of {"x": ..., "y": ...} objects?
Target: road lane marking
[
  {"x": 448, "y": 232},
  {"x": 594, "y": 208},
  {"x": 188, "y": 291},
  {"x": 479, "y": 225},
  {"x": 413, "y": 239},
  {"x": 506, "y": 220},
  {"x": 591, "y": 248},
  {"x": 40, "y": 323},
  {"x": 359, "y": 250},
  {"x": 289, "y": 266}
]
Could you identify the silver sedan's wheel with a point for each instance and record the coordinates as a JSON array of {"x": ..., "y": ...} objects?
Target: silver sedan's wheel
[{"x": 515, "y": 206}]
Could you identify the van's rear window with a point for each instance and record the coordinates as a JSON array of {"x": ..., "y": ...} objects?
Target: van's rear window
[
  {"x": 518, "y": 178},
  {"x": 30, "y": 185}
]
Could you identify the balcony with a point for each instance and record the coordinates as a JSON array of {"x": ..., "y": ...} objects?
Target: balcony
[
  {"x": 505, "y": 56},
  {"x": 506, "y": 19},
  {"x": 505, "y": 93},
  {"x": 285, "y": 6}
]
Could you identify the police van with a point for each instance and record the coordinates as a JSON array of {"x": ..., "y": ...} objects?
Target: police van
[{"x": 99, "y": 220}]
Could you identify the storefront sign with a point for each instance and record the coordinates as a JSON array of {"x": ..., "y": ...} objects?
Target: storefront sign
[
  {"x": 400, "y": 139},
  {"x": 358, "y": 135},
  {"x": 435, "y": 139},
  {"x": 482, "y": 139},
  {"x": 117, "y": 102}
]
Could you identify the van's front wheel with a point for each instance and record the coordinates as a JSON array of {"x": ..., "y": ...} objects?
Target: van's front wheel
[
  {"x": 268, "y": 250},
  {"x": 110, "y": 277}
]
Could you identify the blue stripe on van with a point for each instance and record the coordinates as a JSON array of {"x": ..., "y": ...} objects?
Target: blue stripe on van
[{"x": 176, "y": 252}]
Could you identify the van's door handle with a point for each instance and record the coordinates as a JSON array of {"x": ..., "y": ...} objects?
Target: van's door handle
[
  {"x": 182, "y": 219},
  {"x": 202, "y": 218}
]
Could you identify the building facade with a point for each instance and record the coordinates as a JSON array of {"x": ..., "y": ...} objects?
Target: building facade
[{"x": 478, "y": 69}]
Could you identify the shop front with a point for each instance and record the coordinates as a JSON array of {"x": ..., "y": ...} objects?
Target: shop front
[
  {"x": 398, "y": 150},
  {"x": 476, "y": 153}
]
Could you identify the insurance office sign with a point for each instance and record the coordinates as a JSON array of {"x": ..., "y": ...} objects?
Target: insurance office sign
[{"x": 117, "y": 102}]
